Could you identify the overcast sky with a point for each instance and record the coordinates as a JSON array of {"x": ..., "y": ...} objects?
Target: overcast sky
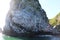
[{"x": 52, "y": 7}]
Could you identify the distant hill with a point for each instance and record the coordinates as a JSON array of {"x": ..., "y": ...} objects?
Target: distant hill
[{"x": 56, "y": 20}]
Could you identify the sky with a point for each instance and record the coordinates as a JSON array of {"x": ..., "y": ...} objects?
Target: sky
[
  {"x": 52, "y": 7},
  {"x": 4, "y": 7}
]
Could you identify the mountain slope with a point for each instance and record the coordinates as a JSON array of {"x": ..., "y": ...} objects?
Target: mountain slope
[{"x": 56, "y": 20}]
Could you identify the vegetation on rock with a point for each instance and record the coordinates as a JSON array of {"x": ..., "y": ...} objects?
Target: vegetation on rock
[{"x": 55, "y": 22}]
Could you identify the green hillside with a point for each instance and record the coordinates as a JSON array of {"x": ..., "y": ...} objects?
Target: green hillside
[{"x": 56, "y": 20}]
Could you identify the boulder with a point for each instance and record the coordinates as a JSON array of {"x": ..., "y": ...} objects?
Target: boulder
[
  {"x": 26, "y": 18},
  {"x": 57, "y": 27}
]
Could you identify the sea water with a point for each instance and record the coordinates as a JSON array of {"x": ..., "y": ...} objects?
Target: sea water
[{"x": 46, "y": 37}]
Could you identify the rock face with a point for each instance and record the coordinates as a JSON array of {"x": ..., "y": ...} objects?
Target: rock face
[
  {"x": 0, "y": 30},
  {"x": 26, "y": 18},
  {"x": 57, "y": 27}
]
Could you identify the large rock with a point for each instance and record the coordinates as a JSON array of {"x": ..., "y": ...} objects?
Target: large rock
[
  {"x": 26, "y": 18},
  {"x": 57, "y": 27}
]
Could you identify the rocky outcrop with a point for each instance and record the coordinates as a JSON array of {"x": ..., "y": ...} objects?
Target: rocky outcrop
[
  {"x": 26, "y": 18},
  {"x": 55, "y": 22},
  {"x": 0, "y": 30},
  {"x": 57, "y": 27}
]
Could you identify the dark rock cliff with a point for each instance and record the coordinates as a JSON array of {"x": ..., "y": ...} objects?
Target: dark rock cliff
[{"x": 26, "y": 18}]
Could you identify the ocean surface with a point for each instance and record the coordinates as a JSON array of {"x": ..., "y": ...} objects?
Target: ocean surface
[{"x": 47, "y": 37}]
